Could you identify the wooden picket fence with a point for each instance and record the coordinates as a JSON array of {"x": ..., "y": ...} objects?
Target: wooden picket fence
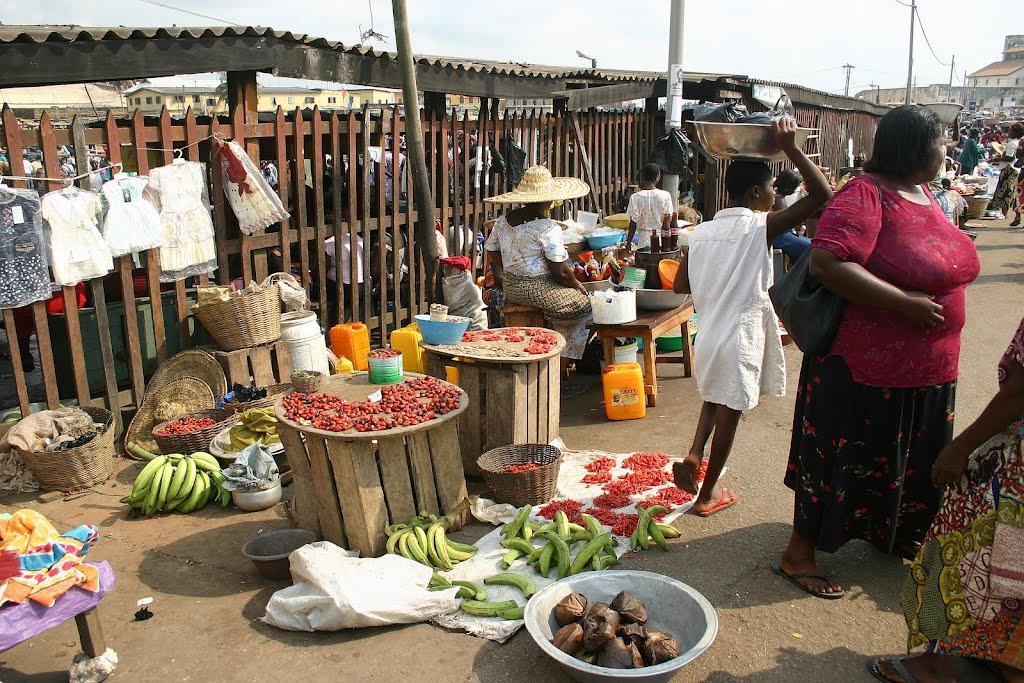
[{"x": 106, "y": 350}]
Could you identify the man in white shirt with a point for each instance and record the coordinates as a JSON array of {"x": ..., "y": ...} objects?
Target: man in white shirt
[{"x": 648, "y": 207}]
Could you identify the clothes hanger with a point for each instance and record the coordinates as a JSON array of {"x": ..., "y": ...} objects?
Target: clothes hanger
[{"x": 179, "y": 160}]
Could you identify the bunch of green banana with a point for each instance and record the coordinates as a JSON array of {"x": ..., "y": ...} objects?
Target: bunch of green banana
[
  {"x": 423, "y": 539},
  {"x": 256, "y": 425},
  {"x": 467, "y": 589},
  {"x": 176, "y": 482},
  {"x": 647, "y": 529},
  {"x": 506, "y": 609},
  {"x": 558, "y": 536}
]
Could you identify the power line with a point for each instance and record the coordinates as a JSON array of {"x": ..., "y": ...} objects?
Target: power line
[
  {"x": 185, "y": 11},
  {"x": 928, "y": 42}
]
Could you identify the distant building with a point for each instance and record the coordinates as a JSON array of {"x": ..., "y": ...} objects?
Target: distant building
[{"x": 63, "y": 101}]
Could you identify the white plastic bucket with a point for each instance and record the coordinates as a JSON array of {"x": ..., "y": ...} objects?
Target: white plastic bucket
[
  {"x": 613, "y": 308},
  {"x": 301, "y": 331},
  {"x": 625, "y": 354}
]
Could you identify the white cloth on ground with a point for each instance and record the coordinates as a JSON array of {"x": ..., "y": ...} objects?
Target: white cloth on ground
[
  {"x": 527, "y": 248},
  {"x": 132, "y": 223},
  {"x": 739, "y": 356}
]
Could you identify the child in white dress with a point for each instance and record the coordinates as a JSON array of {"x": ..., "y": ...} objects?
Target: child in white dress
[{"x": 728, "y": 270}]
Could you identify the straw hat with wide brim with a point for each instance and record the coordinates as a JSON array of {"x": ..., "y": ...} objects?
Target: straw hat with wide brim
[
  {"x": 190, "y": 363},
  {"x": 176, "y": 398},
  {"x": 538, "y": 185}
]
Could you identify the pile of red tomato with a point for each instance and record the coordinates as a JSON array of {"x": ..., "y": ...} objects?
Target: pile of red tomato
[{"x": 405, "y": 404}]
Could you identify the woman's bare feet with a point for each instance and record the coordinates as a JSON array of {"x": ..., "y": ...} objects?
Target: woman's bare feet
[{"x": 798, "y": 563}]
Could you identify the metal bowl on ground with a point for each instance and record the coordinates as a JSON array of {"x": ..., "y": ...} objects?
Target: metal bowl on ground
[
  {"x": 254, "y": 501},
  {"x": 269, "y": 552},
  {"x": 658, "y": 299},
  {"x": 672, "y": 607},
  {"x": 743, "y": 140}
]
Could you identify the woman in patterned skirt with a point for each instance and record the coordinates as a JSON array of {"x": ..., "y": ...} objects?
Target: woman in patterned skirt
[{"x": 964, "y": 599}]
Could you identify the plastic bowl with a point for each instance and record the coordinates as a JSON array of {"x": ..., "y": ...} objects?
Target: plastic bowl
[
  {"x": 254, "y": 501},
  {"x": 619, "y": 221},
  {"x": 447, "y": 332},
  {"x": 602, "y": 241},
  {"x": 667, "y": 269},
  {"x": 673, "y": 607},
  {"x": 669, "y": 342},
  {"x": 270, "y": 551}
]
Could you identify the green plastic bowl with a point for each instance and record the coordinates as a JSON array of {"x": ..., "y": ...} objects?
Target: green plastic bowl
[{"x": 669, "y": 342}]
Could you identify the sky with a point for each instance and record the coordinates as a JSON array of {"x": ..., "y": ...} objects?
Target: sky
[{"x": 798, "y": 41}]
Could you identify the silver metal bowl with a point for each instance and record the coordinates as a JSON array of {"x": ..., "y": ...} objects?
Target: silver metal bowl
[
  {"x": 658, "y": 299},
  {"x": 673, "y": 607},
  {"x": 946, "y": 111},
  {"x": 743, "y": 140}
]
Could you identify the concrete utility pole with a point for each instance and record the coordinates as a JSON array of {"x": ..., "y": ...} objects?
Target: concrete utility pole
[
  {"x": 910, "y": 63},
  {"x": 847, "y": 68},
  {"x": 949, "y": 92},
  {"x": 674, "y": 98},
  {"x": 414, "y": 144}
]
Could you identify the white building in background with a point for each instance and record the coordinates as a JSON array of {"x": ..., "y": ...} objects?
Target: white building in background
[{"x": 1000, "y": 85}]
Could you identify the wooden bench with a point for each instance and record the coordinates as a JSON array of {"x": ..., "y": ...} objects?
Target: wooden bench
[
  {"x": 522, "y": 316},
  {"x": 266, "y": 365},
  {"x": 648, "y": 326}
]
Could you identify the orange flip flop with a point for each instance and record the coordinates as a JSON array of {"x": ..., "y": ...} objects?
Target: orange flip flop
[{"x": 727, "y": 499}]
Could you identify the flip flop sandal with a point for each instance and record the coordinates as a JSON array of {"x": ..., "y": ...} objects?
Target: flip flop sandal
[
  {"x": 684, "y": 478},
  {"x": 875, "y": 669},
  {"x": 722, "y": 504},
  {"x": 795, "y": 580}
]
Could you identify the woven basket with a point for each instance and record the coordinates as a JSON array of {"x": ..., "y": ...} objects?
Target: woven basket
[
  {"x": 521, "y": 488},
  {"x": 198, "y": 440},
  {"x": 273, "y": 392},
  {"x": 243, "y": 321},
  {"x": 976, "y": 206},
  {"x": 308, "y": 385},
  {"x": 76, "y": 468}
]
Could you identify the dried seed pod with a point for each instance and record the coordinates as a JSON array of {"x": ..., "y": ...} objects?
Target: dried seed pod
[
  {"x": 633, "y": 633},
  {"x": 638, "y": 660},
  {"x": 630, "y": 608},
  {"x": 570, "y": 608},
  {"x": 616, "y": 655},
  {"x": 587, "y": 657},
  {"x": 569, "y": 639},
  {"x": 598, "y": 610},
  {"x": 659, "y": 648},
  {"x": 597, "y": 634}
]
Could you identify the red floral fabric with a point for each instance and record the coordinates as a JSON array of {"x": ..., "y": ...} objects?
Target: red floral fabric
[{"x": 915, "y": 248}]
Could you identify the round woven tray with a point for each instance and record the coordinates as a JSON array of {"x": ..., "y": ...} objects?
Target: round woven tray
[
  {"x": 76, "y": 468},
  {"x": 198, "y": 440},
  {"x": 308, "y": 385},
  {"x": 243, "y": 321},
  {"x": 521, "y": 488},
  {"x": 273, "y": 391}
]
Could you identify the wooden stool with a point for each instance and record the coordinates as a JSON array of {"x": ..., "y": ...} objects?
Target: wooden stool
[
  {"x": 648, "y": 326},
  {"x": 522, "y": 316},
  {"x": 266, "y": 365}
]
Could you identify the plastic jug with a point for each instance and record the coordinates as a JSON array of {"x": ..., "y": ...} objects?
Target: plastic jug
[
  {"x": 624, "y": 397},
  {"x": 343, "y": 366},
  {"x": 451, "y": 374},
  {"x": 407, "y": 340},
  {"x": 352, "y": 340}
]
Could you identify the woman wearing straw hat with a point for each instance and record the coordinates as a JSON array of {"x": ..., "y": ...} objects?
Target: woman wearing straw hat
[{"x": 530, "y": 261}]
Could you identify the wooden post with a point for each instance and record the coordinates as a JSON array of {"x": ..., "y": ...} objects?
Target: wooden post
[
  {"x": 414, "y": 142},
  {"x": 244, "y": 107},
  {"x": 587, "y": 170}
]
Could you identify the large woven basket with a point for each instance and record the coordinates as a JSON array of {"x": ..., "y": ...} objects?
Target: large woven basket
[
  {"x": 976, "y": 206},
  {"x": 76, "y": 468},
  {"x": 273, "y": 392},
  {"x": 521, "y": 488},
  {"x": 243, "y": 321},
  {"x": 198, "y": 440}
]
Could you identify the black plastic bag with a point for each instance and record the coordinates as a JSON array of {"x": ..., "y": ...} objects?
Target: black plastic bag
[
  {"x": 515, "y": 160},
  {"x": 673, "y": 153},
  {"x": 729, "y": 112},
  {"x": 764, "y": 118},
  {"x": 497, "y": 161}
]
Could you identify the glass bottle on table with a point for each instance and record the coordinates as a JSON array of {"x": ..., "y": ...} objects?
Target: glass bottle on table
[{"x": 655, "y": 240}]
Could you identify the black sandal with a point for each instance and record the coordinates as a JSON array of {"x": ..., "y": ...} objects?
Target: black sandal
[{"x": 795, "y": 580}]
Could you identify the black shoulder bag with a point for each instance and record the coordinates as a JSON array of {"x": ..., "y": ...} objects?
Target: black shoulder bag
[{"x": 810, "y": 312}]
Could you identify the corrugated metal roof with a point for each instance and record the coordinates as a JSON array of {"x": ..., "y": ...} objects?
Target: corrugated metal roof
[{"x": 1004, "y": 68}]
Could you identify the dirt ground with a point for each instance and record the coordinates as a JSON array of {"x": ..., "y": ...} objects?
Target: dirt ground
[{"x": 208, "y": 597}]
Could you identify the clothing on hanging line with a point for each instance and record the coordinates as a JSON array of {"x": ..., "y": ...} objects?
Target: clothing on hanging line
[{"x": 68, "y": 179}]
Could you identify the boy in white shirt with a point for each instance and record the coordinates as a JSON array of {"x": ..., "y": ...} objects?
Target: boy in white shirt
[{"x": 648, "y": 207}]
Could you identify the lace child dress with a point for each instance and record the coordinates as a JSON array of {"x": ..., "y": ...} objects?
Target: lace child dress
[
  {"x": 132, "y": 223},
  {"x": 255, "y": 204},
  {"x": 179, "y": 192},
  {"x": 77, "y": 249},
  {"x": 24, "y": 277}
]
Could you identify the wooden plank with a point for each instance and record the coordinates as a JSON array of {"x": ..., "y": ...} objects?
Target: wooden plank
[
  {"x": 124, "y": 263},
  {"x": 220, "y": 219},
  {"x": 540, "y": 415},
  {"x": 449, "y": 476},
  {"x": 470, "y": 422},
  {"x": 500, "y": 388},
  {"x": 284, "y": 180},
  {"x": 180, "y": 297},
  {"x": 446, "y": 198},
  {"x": 418, "y": 445},
  {"x": 368, "y": 201},
  {"x": 394, "y": 221},
  {"x": 362, "y": 498},
  {"x": 283, "y": 360},
  {"x": 469, "y": 238},
  {"x": 90, "y": 633},
  {"x": 520, "y": 404},
  {"x": 394, "y": 475},
  {"x": 337, "y": 182},
  {"x": 321, "y": 224},
  {"x": 192, "y": 138},
  {"x": 20, "y": 386},
  {"x": 304, "y": 503},
  {"x": 152, "y": 255},
  {"x": 381, "y": 201},
  {"x": 354, "y": 216},
  {"x": 531, "y": 399},
  {"x": 69, "y": 294},
  {"x": 554, "y": 398},
  {"x": 331, "y": 510},
  {"x": 433, "y": 365},
  {"x": 583, "y": 156},
  {"x": 299, "y": 174},
  {"x": 262, "y": 368},
  {"x": 596, "y": 96}
]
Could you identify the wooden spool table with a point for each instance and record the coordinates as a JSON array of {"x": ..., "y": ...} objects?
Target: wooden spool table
[
  {"x": 349, "y": 485},
  {"x": 512, "y": 400}
]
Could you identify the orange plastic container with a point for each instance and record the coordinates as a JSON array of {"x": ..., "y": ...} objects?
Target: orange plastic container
[
  {"x": 451, "y": 374},
  {"x": 407, "y": 340},
  {"x": 624, "y": 397},
  {"x": 352, "y": 340}
]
